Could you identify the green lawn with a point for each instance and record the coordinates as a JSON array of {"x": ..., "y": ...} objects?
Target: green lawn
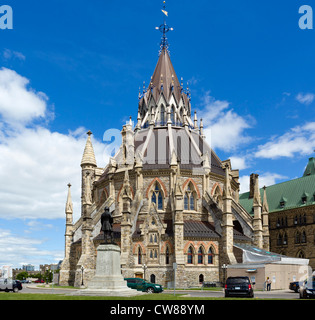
[{"x": 34, "y": 296}]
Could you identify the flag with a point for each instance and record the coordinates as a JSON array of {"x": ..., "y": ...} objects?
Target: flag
[{"x": 165, "y": 12}]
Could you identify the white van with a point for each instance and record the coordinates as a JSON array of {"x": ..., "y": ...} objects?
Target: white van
[{"x": 8, "y": 285}]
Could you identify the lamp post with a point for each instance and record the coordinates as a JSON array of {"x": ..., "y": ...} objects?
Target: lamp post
[
  {"x": 224, "y": 267},
  {"x": 82, "y": 269}
]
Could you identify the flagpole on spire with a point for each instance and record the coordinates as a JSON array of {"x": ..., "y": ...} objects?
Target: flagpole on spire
[{"x": 164, "y": 29}]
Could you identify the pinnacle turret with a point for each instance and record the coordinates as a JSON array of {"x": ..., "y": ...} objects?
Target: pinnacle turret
[{"x": 88, "y": 155}]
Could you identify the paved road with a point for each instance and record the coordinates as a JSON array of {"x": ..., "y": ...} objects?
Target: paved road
[{"x": 278, "y": 294}]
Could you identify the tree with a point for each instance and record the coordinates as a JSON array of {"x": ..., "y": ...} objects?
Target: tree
[{"x": 22, "y": 275}]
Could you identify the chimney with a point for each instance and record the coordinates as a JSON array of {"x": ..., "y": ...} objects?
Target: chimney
[{"x": 252, "y": 183}]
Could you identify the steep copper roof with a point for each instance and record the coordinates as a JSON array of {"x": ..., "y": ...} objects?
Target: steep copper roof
[{"x": 164, "y": 78}]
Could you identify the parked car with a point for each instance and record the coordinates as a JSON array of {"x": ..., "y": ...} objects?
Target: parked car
[
  {"x": 239, "y": 286},
  {"x": 295, "y": 286},
  {"x": 17, "y": 284},
  {"x": 39, "y": 281},
  {"x": 307, "y": 290},
  {"x": 143, "y": 285}
]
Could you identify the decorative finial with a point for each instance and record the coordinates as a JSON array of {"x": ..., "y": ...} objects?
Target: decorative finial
[
  {"x": 69, "y": 185},
  {"x": 89, "y": 133},
  {"x": 164, "y": 29}
]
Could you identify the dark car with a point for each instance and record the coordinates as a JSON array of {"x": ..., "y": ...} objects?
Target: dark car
[
  {"x": 239, "y": 286},
  {"x": 307, "y": 290},
  {"x": 17, "y": 285},
  {"x": 143, "y": 285},
  {"x": 295, "y": 286}
]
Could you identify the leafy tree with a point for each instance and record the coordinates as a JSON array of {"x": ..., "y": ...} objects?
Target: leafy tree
[{"x": 22, "y": 275}]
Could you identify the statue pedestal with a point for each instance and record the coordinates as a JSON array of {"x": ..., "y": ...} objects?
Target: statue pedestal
[{"x": 108, "y": 280}]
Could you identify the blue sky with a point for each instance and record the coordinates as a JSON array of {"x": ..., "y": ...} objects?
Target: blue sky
[{"x": 72, "y": 66}]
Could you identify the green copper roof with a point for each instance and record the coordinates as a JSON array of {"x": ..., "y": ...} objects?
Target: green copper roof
[
  {"x": 287, "y": 195},
  {"x": 310, "y": 169}
]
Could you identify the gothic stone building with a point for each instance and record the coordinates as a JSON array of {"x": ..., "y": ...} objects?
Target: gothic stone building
[
  {"x": 172, "y": 199},
  {"x": 291, "y": 207}
]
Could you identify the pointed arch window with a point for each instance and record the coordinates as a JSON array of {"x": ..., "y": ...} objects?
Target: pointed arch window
[
  {"x": 210, "y": 256},
  {"x": 303, "y": 238},
  {"x": 279, "y": 240},
  {"x": 162, "y": 115},
  {"x": 301, "y": 254},
  {"x": 297, "y": 237},
  {"x": 173, "y": 115},
  {"x": 190, "y": 256},
  {"x": 190, "y": 198},
  {"x": 285, "y": 239},
  {"x": 157, "y": 197},
  {"x": 139, "y": 256},
  {"x": 167, "y": 256},
  {"x": 200, "y": 256}
]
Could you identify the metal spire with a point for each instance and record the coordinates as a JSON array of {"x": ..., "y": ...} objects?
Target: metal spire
[{"x": 164, "y": 29}]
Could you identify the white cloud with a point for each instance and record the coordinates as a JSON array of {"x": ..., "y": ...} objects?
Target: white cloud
[
  {"x": 238, "y": 163},
  {"x": 223, "y": 127},
  {"x": 36, "y": 167},
  {"x": 299, "y": 140},
  {"x": 305, "y": 98},
  {"x": 36, "y": 164},
  {"x": 19, "y": 104},
  {"x": 266, "y": 179},
  {"x": 16, "y": 250}
]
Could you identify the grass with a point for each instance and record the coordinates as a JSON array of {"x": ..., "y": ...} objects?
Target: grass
[{"x": 146, "y": 297}]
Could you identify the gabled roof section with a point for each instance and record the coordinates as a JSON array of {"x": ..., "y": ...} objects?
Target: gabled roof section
[{"x": 285, "y": 195}]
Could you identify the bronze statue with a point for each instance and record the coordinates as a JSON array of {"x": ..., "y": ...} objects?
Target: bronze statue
[{"x": 107, "y": 226}]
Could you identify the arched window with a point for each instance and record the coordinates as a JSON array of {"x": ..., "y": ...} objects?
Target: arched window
[
  {"x": 200, "y": 256},
  {"x": 279, "y": 240},
  {"x": 210, "y": 256},
  {"x": 190, "y": 198},
  {"x": 162, "y": 116},
  {"x": 190, "y": 256},
  {"x": 139, "y": 256},
  {"x": 167, "y": 256},
  {"x": 157, "y": 197},
  {"x": 152, "y": 278},
  {"x": 301, "y": 254},
  {"x": 285, "y": 239},
  {"x": 173, "y": 115},
  {"x": 303, "y": 239},
  {"x": 201, "y": 279},
  {"x": 297, "y": 237}
]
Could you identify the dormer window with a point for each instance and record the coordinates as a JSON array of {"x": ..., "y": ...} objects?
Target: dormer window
[
  {"x": 283, "y": 202},
  {"x": 304, "y": 198}
]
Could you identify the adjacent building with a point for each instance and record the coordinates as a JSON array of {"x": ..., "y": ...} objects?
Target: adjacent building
[{"x": 291, "y": 207}]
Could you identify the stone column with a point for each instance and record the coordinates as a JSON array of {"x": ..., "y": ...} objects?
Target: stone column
[
  {"x": 227, "y": 219},
  {"x": 257, "y": 206}
]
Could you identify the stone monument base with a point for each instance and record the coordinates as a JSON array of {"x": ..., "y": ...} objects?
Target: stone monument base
[{"x": 108, "y": 280}]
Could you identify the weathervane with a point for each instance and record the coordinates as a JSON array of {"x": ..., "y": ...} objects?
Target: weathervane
[{"x": 164, "y": 29}]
